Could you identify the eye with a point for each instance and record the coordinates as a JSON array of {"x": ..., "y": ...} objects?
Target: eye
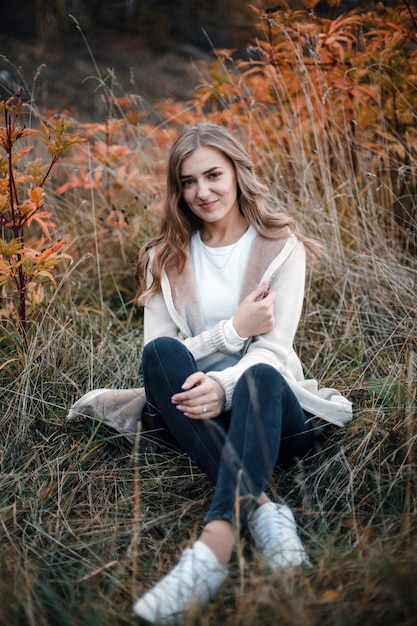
[
  {"x": 214, "y": 174},
  {"x": 187, "y": 182}
]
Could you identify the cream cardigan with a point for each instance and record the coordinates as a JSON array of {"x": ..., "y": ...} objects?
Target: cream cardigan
[{"x": 176, "y": 312}]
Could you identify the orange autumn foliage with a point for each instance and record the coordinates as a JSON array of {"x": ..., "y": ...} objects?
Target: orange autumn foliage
[{"x": 27, "y": 256}]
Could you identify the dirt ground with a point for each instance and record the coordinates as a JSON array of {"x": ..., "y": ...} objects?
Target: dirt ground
[{"x": 66, "y": 75}]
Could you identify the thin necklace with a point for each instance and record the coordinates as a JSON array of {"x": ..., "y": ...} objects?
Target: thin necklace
[
  {"x": 226, "y": 256},
  {"x": 211, "y": 256}
]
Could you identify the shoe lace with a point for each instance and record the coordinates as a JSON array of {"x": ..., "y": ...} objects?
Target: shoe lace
[{"x": 278, "y": 527}]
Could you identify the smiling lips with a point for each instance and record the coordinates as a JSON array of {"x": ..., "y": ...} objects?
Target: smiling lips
[{"x": 206, "y": 206}]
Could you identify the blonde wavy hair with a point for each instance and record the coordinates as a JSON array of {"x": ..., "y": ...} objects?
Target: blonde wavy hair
[{"x": 179, "y": 222}]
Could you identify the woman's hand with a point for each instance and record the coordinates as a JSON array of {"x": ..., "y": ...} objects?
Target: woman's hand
[
  {"x": 255, "y": 315},
  {"x": 202, "y": 398}
]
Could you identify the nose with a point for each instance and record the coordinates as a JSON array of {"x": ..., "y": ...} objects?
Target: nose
[{"x": 203, "y": 190}]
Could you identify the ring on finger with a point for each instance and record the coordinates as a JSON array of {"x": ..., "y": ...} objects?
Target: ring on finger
[{"x": 204, "y": 409}]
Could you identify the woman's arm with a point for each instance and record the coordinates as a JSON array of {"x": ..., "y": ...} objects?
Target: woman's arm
[
  {"x": 208, "y": 347},
  {"x": 276, "y": 346}
]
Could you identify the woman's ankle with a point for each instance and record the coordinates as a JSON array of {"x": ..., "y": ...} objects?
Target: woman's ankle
[
  {"x": 219, "y": 536},
  {"x": 263, "y": 499}
]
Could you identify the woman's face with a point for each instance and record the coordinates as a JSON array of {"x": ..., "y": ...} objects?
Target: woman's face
[{"x": 209, "y": 185}]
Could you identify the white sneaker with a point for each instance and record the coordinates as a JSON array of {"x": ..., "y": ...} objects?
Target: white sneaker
[
  {"x": 274, "y": 532},
  {"x": 196, "y": 579}
]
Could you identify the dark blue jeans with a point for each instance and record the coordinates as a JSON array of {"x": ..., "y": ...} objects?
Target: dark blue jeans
[{"x": 239, "y": 449}]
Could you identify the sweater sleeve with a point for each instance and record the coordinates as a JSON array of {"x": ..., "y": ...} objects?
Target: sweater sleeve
[
  {"x": 275, "y": 347},
  {"x": 176, "y": 312},
  {"x": 208, "y": 347}
]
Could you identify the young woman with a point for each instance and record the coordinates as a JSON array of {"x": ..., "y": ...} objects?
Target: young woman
[{"x": 223, "y": 288}]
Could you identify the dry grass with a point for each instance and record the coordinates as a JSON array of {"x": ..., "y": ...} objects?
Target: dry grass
[{"x": 87, "y": 524}]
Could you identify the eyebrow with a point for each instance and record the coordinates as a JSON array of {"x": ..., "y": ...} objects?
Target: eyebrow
[{"x": 211, "y": 169}]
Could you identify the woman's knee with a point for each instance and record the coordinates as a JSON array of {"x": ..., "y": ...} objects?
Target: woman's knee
[
  {"x": 158, "y": 347},
  {"x": 264, "y": 387},
  {"x": 263, "y": 374}
]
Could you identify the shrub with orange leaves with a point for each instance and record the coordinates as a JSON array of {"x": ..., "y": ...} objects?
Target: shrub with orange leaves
[
  {"x": 331, "y": 102},
  {"x": 115, "y": 183},
  {"x": 28, "y": 255}
]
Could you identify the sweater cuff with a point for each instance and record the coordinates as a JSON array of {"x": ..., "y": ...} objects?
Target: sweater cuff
[
  {"x": 231, "y": 335},
  {"x": 221, "y": 342},
  {"x": 227, "y": 382}
]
